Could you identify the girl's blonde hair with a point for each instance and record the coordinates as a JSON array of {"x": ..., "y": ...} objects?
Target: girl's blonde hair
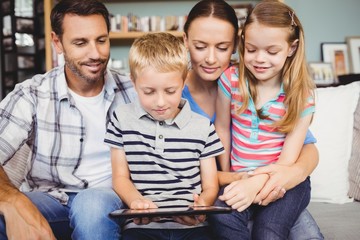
[
  {"x": 162, "y": 51},
  {"x": 297, "y": 82}
]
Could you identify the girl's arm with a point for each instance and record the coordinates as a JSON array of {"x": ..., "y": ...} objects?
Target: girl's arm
[
  {"x": 222, "y": 126},
  {"x": 294, "y": 142},
  {"x": 288, "y": 171},
  {"x": 122, "y": 184},
  {"x": 241, "y": 194}
]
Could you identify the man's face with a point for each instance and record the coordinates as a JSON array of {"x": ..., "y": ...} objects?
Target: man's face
[{"x": 86, "y": 48}]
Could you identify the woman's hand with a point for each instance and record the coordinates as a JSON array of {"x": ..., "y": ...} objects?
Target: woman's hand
[{"x": 281, "y": 179}]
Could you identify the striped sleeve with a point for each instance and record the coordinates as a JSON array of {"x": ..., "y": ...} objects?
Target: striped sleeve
[
  {"x": 224, "y": 82},
  {"x": 113, "y": 136},
  {"x": 310, "y": 107},
  {"x": 213, "y": 146}
]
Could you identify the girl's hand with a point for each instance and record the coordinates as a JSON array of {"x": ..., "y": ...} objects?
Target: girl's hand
[
  {"x": 143, "y": 204},
  {"x": 192, "y": 220},
  {"x": 240, "y": 194},
  {"x": 275, "y": 188}
]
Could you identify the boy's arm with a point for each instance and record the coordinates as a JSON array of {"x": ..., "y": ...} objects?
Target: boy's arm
[
  {"x": 209, "y": 182},
  {"x": 222, "y": 126},
  {"x": 122, "y": 184}
]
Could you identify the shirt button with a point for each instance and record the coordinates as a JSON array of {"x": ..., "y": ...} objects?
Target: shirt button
[
  {"x": 161, "y": 123},
  {"x": 161, "y": 136},
  {"x": 81, "y": 139}
]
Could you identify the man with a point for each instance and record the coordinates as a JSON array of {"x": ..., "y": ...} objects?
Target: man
[{"x": 62, "y": 116}]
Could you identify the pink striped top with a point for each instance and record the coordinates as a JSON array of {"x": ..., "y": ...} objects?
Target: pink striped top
[{"x": 254, "y": 142}]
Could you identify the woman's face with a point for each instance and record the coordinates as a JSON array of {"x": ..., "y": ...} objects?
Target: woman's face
[{"x": 211, "y": 43}]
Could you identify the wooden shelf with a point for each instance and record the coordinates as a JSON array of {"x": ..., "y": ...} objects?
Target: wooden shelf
[{"x": 134, "y": 35}]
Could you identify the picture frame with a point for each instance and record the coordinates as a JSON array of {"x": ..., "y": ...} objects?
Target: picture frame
[
  {"x": 322, "y": 73},
  {"x": 242, "y": 11},
  {"x": 353, "y": 44},
  {"x": 336, "y": 53}
]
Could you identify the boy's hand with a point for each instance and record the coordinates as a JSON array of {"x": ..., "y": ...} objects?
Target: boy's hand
[
  {"x": 192, "y": 220},
  {"x": 143, "y": 204}
]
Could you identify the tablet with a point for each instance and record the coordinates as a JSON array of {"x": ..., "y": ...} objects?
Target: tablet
[{"x": 167, "y": 212}]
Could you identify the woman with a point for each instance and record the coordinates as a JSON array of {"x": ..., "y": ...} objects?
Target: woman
[{"x": 211, "y": 35}]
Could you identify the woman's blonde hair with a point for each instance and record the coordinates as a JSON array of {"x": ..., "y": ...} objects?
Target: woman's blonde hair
[
  {"x": 297, "y": 82},
  {"x": 162, "y": 51}
]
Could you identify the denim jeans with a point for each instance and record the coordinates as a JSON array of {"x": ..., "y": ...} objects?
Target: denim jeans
[
  {"x": 200, "y": 233},
  {"x": 271, "y": 222},
  {"x": 84, "y": 217}
]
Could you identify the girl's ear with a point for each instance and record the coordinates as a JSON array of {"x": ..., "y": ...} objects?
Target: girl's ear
[{"x": 293, "y": 48}]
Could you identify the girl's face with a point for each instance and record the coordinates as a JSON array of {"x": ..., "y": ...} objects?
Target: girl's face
[
  {"x": 266, "y": 50},
  {"x": 210, "y": 42}
]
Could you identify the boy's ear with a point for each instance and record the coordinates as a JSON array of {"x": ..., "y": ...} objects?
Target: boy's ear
[{"x": 293, "y": 48}]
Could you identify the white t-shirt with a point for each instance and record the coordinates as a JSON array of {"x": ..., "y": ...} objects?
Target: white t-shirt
[{"x": 96, "y": 164}]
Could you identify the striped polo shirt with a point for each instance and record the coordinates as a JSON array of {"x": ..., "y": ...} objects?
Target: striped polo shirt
[
  {"x": 164, "y": 156},
  {"x": 255, "y": 142}
]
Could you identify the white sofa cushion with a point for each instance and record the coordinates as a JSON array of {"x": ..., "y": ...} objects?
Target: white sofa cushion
[
  {"x": 15, "y": 167},
  {"x": 333, "y": 128},
  {"x": 354, "y": 163}
]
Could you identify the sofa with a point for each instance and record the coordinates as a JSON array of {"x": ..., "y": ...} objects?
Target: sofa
[{"x": 336, "y": 180}]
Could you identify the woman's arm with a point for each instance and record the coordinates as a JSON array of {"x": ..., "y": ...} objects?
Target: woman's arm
[
  {"x": 286, "y": 177},
  {"x": 222, "y": 126}
]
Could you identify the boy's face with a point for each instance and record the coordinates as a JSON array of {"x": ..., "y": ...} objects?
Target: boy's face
[{"x": 159, "y": 93}]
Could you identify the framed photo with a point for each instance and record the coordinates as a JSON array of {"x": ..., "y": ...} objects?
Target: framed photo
[
  {"x": 353, "y": 44},
  {"x": 242, "y": 11},
  {"x": 322, "y": 73},
  {"x": 337, "y": 55}
]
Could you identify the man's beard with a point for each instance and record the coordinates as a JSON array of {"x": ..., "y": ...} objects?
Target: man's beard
[{"x": 78, "y": 72}]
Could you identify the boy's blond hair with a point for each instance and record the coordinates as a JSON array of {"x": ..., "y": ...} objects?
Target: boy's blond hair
[{"x": 162, "y": 51}]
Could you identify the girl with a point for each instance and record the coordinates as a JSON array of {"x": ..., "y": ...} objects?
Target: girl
[{"x": 264, "y": 106}]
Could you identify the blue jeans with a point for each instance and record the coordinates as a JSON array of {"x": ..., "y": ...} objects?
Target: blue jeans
[
  {"x": 199, "y": 233},
  {"x": 271, "y": 222},
  {"x": 84, "y": 217}
]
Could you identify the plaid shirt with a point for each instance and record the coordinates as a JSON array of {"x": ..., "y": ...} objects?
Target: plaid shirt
[{"x": 41, "y": 112}]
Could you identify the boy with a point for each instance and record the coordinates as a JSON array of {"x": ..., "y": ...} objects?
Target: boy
[{"x": 163, "y": 154}]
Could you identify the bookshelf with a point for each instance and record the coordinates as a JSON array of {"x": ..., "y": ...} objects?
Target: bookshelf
[{"x": 22, "y": 42}]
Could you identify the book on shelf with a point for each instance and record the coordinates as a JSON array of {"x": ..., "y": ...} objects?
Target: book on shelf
[{"x": 131, "y": 22}]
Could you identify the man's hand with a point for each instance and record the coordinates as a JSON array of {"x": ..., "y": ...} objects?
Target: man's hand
[{"x": 23, "y": 219}]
